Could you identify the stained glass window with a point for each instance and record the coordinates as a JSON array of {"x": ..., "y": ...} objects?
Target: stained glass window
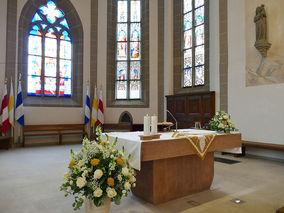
[
  {"x": 49, "y": 53},
  {"x": 128, "y": 50},
  {"x": 193, "y": 45}
]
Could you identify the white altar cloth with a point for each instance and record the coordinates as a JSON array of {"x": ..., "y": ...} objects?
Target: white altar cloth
[{"x": 132, "y": 143}]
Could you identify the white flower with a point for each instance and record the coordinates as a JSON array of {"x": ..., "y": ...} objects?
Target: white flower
[
  {"x": 112, "y": 156},
  {"x": 225, "y": 116},
  {"x": 83, "y": 197},
  {"x": 125, "y": 171},
  {"x": 81, "y": 182},
  {"x": 123, "y": 191},
  {"x": 98, "y": 174},
  {"x": 68, "y": 189},
  {"x": 66, "y": 176},
  {"x": 221, "y": 125},
  {"x": 81, "y": 163},
  {"x": 127, "y": 186},
  {"x": 132, "y": 179},
  {"x": 111, "y": 192},
  {"x": 134, "y": 184},
  {"x": 85, "y": 173},
  {"x": 98, "y": 192},
  {"x": 71, "y": 182},
  {"x": 119, "y": 177}
]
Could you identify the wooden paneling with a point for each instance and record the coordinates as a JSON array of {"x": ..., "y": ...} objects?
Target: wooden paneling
[{"x": 192, "y": 107}]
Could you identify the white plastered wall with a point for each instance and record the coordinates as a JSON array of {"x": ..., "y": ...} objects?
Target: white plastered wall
[
  {"x": 257, "y": 111},
  {"x": 3, "y": 22}
]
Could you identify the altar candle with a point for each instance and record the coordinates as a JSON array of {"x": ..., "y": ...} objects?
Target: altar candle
[
  {"x": 154, "y": 124},
  {"x": 147, "y": 120}
]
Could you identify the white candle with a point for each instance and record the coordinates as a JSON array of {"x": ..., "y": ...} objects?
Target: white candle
[
  {"x": 154, "y": 125},
  {"x": 147, "y": 125}
]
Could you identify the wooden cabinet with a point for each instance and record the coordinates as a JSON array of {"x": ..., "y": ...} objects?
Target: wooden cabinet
[{"x": 192, "y": 107}]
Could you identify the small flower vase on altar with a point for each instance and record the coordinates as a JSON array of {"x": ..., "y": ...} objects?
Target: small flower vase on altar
[{"x": 91, "y": 208}]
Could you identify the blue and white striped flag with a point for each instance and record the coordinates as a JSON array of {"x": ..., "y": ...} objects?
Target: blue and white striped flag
[
  {"x": 87, "y": 107},
  {"x": 19, "y": 112}
]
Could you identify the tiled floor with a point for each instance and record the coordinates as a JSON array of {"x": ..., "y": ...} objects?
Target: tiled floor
[{"x": 30, "y": 180}]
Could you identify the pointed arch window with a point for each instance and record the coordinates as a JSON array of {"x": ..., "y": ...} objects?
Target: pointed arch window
[{"x": 49, "y": 70}]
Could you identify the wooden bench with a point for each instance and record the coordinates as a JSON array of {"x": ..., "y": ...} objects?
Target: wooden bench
[
  {"x": 268, "y": 146},
  {"x": 5, "y": 141},
  {"x": 53, "y": 130}
]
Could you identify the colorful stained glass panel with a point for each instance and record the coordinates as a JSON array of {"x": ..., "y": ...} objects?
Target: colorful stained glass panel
[
  {"x": 65, "y": 23},
  {"x": 50, "y": 33},
  {"x": 36, "y": 18},
  {"x": 122, "y": 11},
  {"x": 198, "y": 3},
  {"x": 135, "y": 50},
  {"x": 50, "y": 47},
  {"x": 122, "y": 32},
  {"x": 50, "y": 67},
  {"x": 65, "y": 69},
  {"x": 135, "y": 32},
  {"x": 199, "y": 16},
  {"x": 199, "y": 75},
  {"x": 49, "y": 86},
  {"x": 135, "y": 70},
  {"x": 199, "y": 55},
  {"x": 65, "y": 36},
  {"x": 187, "y": 6},
  {"x": 135, "y": 11},
  {"x": 121, "y": 51},
  {"x": 34, "y": 45},
  {"x": 188, "y": 21},
  {"x": 65, "y": 49},
  {"x": 199, "y": 35},
  {"x": 35, "y": 32},
  {"x": 51, "y": 12},
  {"x": 121, "y": 70},
  {"x": 187, "y": 77},
  {"x": 188, "y": 58},
  {"x": 187, "y": 39},
  {"x": 43, "y": 26},
  {"x": 121, "y": 89},
  {"x": 65, "y": 87},
  {"x": 34, "y": 85},
  {"x": 135, "y": 89},
  {"x": 34, "y": 65}
]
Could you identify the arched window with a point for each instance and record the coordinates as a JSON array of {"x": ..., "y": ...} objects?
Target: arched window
[
  {"x": 128, "y": 52},
  {"x": 49, "y": 53}
]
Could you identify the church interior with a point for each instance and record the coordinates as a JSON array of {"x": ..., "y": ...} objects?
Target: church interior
[{"x": 141, "y": 106}]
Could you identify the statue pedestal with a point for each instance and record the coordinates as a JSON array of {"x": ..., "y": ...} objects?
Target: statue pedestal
[{"x": 262, "y": 46}]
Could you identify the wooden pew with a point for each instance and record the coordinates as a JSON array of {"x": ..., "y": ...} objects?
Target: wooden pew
[
  {"x": 5, "y": 141},
  {"x": 268, "y": 146},
  {"x": 53, "y": 130}
]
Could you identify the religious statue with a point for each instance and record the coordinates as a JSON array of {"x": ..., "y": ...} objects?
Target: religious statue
[{"x": 261, "y": 43}]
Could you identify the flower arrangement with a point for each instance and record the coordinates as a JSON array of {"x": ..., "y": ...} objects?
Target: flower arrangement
[
  {"x": 98, "y": 171},
  {"x": 221, "y": 122}
]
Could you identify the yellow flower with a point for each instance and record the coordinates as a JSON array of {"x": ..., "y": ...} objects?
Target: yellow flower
[
  {"x": 95, "y": 161},
  {"x": 104, "y": 143},
  {"x": 71, "y": 163},
  {"x": 110, "y": 181},
  {"x": 120, "y": 161},
  {"x": 225, "y": 122}
]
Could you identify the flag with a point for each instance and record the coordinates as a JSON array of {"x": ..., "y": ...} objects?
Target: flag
[
  {"x": 11, "y": 105},
  {"x": 19, "y": 112},
  {"x": 4, "y": 112},
  {"x": 87, "y": 107},
  {"x": 101, "y": 110},
  {"x": 94, "y": 116}
]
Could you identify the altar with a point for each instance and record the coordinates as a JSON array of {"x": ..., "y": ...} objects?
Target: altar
[{"x": 169, "y": 168}]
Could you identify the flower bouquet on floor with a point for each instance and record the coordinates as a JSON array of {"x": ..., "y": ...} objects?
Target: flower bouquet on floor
[
  {"x": 98, "y": 173},
  {"x": 221, "y": 122}
]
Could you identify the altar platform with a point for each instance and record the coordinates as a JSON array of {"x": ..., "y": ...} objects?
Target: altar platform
[{"x": 169, "y": 168}]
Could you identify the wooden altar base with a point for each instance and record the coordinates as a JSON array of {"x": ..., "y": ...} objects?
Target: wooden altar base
[{"x": 166, "y": 179}]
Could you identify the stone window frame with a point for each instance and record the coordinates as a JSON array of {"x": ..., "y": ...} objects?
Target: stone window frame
[
  {"x": 76, "y": 30},
  {"x": 111, "y": 60},
  {"x": 178, "y": 50}
]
